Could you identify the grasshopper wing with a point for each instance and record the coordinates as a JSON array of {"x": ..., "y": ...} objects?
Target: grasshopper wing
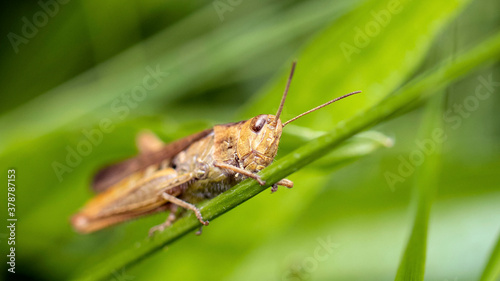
[
  {"x": 113, "y": 174},
  {"x": 129, "y": 199}
]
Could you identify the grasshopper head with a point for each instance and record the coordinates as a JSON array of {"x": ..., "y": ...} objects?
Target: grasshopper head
[{"x": 258, "y": 142}]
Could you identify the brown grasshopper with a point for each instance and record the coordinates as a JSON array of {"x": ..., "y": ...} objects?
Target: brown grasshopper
[{"x": 185, "y": 172}]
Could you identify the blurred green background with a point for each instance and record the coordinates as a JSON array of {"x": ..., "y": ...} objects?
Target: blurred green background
[{"x": 66, "y": 67}]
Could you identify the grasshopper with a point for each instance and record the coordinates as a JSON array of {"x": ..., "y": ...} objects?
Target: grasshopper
[{"x": 201, "y": 166}]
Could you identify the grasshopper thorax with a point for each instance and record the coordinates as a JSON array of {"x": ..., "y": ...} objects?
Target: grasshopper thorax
[{"x": 258, "y": 142}]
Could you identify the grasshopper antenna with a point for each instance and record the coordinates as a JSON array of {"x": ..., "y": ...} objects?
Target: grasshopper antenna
[
  {"x": 318, "y": 107},
  {"x": 286, "y": 91}
]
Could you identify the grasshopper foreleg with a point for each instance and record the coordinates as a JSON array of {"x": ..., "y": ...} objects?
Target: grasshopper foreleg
[
  {"x": 283, "y": 182},
  {"x": 240, "y": 171}
]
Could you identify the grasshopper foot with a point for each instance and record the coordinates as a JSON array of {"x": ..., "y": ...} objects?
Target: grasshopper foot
[
  {"x": 260, "y": 181},
  {"x": 200, "y": 218},
  {"x": 283, "y": 182},
  {"x": 197, "y": 213}
]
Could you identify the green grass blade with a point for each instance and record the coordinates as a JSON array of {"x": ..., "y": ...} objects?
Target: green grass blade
[
  {"x": 492, "y": 270},
  {"x": 412, "y": 264}
]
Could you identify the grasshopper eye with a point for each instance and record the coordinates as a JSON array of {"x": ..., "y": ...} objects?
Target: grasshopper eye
[{"x": 258, "y": 123}]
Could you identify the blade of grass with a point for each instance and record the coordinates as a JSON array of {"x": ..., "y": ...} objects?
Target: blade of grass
[
  {"x": 421, "y": 87},
  {"x": 492, "y": 269},
  {"x": 412, "y": 263}
]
